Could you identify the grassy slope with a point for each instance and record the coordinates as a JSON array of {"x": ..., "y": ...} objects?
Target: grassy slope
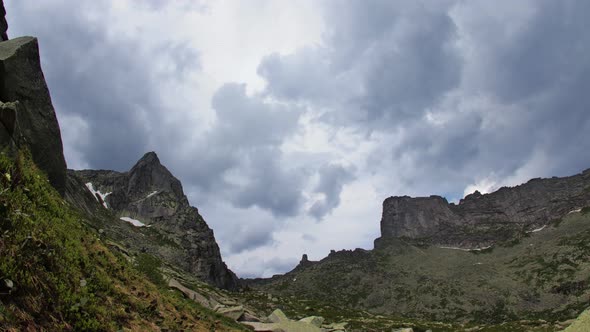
[
  {"x": 544, "y": 277},
  {"x": 65, "y": 277}
]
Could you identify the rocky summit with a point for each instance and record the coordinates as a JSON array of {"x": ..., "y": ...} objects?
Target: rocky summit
[
  {"x": 479, "y": 221},
  {"x": 152, "y": 215}
]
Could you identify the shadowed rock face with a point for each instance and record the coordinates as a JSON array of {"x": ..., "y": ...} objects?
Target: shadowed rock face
[
  {"x": 481, "y": 220},
  {"x": 3, "y": 23},
  {"x": 27, "y": 117},
  {"x": 151, "y": 194}
]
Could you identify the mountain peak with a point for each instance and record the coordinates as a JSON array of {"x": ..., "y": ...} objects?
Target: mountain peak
[{"x": 149, "y": 158}]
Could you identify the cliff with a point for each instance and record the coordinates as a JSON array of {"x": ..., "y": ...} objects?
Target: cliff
[
  {"x": 482, "y": 220},
  {"x": 27, "y": 117},
  {"x": 153, "y": 215}
]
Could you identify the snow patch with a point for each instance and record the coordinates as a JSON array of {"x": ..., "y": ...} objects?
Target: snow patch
[
  {"x": 466, "y": 249},
  {"x": 134, "y": 222},
  {"x": 537, "y": 229},
  {"x": 151, "y": 194},
  {"x": 575, "y": 211},
  {"x": 94, "y": 192}
]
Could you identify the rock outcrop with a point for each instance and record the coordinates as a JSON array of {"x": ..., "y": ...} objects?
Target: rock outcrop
[
  {"x": 155, "y": 217},
  {"x": 3, "y": 22},
  {"x": 27, "y": 117},
  {"x": 482, "y": 220}
]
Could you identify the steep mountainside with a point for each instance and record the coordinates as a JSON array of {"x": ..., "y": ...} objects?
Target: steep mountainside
[
  {"x": 152, "y": 215},
  {"x": 540, "y": 273},
  {"x": 482, "y": 220},
  {"x": 27, "y": 117},
  {"x": 57, "y": 274}
]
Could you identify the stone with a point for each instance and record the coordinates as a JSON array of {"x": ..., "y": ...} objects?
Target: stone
[
  {"x": 149, "y": 193},
  {"x": 6, "y": 286},
  {"x": 403, "y": 330},
  {"x": 285, "y": 326},
  {"x": 266, "y": 327},
  {"x": 234, "y": 313},
  {"x": 248, "y": 317},
  {"x": 278, "y": 316},
  {"x": 313, "y": 320},
  {"x": 27, "y": 114},
  {"x": 336, "y": 326},
  {"x": 189, "y": 293}
]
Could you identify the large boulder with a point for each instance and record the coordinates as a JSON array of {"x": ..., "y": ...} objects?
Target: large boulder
[{"x": 27, "y": 116}]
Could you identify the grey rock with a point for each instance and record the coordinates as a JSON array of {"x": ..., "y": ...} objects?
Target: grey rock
[
  {"x": 234, "y": 313},
  {"x": 278, "y": 316},
  {"x": 482, "y": 220},
  {"x": 148, "y": 192},
  {"x": 189, "y": 293},
  {"x": 313, "y": 320},
  {"x": 3, "y": 22},
  {"x": 27, "y": 116},
  {"x": 248, "y": 317}
]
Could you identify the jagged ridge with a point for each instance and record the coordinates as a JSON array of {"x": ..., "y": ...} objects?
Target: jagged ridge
[
  {"x": 149, "y": 193},
  {"x": 481, "y": 220}
]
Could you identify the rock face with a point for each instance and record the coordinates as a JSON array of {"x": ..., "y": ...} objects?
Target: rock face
[
  {"x": 482, "y": 220},
  {"x": 150, "y": 195},
  {"x": 27, "y": 117},
  {"x": 3, "y": 23}
]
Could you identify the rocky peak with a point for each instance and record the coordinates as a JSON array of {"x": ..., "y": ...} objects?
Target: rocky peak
[
  {"x": 149, "y": 176},
  {"x": 148, "y": 194},
  {"x": 482, "y": 220},
  {"x": 150, "y": 159}
]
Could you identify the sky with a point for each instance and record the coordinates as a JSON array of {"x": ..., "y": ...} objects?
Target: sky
[{"x": 289, "y": 122}]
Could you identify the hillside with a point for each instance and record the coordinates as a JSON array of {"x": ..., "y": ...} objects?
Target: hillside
[
  {"x": 57, "y": 274},
  {"x": 535, "y": 274},
  {"x": 145, "y": 210}
]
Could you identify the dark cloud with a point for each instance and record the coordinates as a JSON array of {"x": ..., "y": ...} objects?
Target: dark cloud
[
  {"x": 246, "y": 138},
  {"x": 250, "y": 238},
  {"x": 447, "y": 92},
  {"x": 469, "y": 91},
  {"x": 108, "y": 82},
  {"x": 381, "y": 62},
  {"x": 332, "y": 179}
]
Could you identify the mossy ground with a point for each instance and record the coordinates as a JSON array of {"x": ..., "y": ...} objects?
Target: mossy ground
[{"x": 65, "y": 277}]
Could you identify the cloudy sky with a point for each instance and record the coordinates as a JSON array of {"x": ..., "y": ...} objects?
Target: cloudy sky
[{"x": 288, "y": 122}]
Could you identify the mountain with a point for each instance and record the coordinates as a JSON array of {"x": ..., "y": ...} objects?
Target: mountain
[
  {"x": 482, "y": 220},
  {"x": 150, "y": 213},
  {"x": 57, "y": 271},
  {"x": 515, "y": 254}
]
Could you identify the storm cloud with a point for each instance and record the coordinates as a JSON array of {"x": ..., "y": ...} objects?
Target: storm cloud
[{"x": 281, "y": 132}]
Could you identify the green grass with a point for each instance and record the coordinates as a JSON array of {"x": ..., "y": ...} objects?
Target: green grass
[{"x": 65, "y": 278}]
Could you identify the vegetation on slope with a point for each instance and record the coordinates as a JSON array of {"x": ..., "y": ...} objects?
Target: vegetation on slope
[
  {"x": 543, "y": 279},
  {"x": 55, "y": 274}
]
